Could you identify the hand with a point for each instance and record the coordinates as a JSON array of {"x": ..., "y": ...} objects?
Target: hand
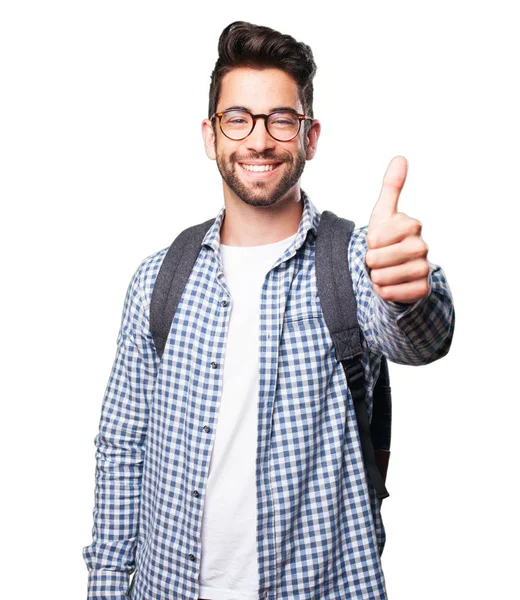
[{"x": 397, "y": 252}]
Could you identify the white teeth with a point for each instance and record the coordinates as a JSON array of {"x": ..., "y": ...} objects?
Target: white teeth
[{"x": 258, "y": 168}]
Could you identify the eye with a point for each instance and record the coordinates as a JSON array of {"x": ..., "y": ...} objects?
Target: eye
[
  {"x": 283, "y": 120},
  {"x": 235, "y": 118}
]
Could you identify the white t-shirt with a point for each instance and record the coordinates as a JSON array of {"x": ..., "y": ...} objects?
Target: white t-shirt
[{"x": 229, "y": 562}]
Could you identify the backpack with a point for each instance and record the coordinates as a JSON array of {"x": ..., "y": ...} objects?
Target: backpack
[{"x": 339, "y": 310}]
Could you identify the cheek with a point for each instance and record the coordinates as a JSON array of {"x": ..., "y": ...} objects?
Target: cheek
[{"x": 225, "y": 153}]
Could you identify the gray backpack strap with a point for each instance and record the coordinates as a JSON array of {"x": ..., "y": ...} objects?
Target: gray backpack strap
[
  {"x": 171, "y": 281},
  {"x": 335, "y": 284},
  {"x": 338, "y": 304}
]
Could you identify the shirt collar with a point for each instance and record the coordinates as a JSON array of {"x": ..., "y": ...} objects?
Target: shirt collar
[{"x": 309, "y": 222}]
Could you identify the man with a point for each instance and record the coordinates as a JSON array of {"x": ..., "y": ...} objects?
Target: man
[{"x": 231, "y": 468}]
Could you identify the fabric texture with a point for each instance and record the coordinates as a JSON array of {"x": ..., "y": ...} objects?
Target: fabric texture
[{"x": 319, "y": 528}]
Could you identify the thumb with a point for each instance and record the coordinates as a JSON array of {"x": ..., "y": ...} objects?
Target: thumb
[{"x": 393, "y": 182}]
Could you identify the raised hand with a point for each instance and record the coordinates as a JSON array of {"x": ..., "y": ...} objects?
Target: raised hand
[{"x": 397, "y": 253}]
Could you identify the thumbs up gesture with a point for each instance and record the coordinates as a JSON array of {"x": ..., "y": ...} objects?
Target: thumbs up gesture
[{"x": 396, "y": 253}]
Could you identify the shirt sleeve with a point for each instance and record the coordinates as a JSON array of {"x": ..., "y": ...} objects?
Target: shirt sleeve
[
  {"x": 120, "y": 452},
  {"x": 409, "y": 334}
]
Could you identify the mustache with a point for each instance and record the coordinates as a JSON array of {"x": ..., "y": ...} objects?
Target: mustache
[{"x": 267, "y": 155}]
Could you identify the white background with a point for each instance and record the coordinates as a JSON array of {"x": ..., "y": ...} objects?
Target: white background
[{"x": 102, "y": 164}]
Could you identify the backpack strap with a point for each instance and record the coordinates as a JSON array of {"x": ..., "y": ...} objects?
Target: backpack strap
[
  {"x": 339, "y": 308},
  {"x": 171, "y": 281},
  {"x": 381, "y": 424}
]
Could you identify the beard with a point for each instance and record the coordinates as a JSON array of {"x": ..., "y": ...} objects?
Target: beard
[{"x": 258, "y": 193}]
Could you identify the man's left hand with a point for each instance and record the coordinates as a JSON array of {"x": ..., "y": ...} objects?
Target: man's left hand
[{"x": 397, "y": 253}]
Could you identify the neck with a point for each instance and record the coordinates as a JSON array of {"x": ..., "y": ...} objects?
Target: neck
[{"x": 246, "y": 225}]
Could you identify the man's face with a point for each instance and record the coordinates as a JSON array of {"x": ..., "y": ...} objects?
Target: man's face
[{"x": 259, "y": 169}]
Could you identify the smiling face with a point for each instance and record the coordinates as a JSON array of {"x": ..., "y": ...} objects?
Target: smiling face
[{"x": 259, "y": 170}]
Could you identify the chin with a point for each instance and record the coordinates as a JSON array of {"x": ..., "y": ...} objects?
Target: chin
[{"x": 259, "y": 196}]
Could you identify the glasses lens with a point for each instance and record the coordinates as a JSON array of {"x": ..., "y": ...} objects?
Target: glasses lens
[
  {"x": 283, "y": 125},
  {"x": 236, "y": 124}
]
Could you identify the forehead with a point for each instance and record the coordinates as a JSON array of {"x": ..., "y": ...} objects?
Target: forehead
[{"x": 259, "y": 90}]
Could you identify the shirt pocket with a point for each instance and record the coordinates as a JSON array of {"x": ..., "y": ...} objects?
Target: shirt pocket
[{"x": 304, "y": 331}]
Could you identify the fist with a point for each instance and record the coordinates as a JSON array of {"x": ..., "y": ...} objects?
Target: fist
[{"x": 396, "y": 255}]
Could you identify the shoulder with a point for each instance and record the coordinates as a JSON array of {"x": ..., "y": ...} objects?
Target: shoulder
[
  {"x": 357, "y": 250},
  {"x": 358, "y": 241},
  {"x": 146, "y": 273}
]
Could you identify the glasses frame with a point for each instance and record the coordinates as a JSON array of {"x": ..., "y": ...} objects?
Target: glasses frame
[{"x": 219, "y": 115}]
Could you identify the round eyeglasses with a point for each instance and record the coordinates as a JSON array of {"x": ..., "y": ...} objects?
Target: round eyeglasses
[{"x": 237, "y": 124}]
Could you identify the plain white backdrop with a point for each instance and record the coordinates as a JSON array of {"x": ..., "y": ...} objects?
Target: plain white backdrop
[{"x": 102, "y": 164}]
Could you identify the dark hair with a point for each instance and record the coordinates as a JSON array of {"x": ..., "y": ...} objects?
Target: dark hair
[{"x": 243, "y": 44}]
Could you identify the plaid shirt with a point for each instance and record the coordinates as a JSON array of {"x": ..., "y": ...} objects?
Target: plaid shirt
[{"x": 320, "y": 534}]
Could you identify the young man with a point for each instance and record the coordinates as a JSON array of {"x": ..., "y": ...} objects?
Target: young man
[{"x": 231, "y": 468}]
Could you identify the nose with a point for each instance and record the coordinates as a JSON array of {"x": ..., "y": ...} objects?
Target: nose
[{"x": 259, "y": 139}]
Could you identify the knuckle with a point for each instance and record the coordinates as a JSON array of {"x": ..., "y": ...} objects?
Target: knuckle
[
  {"x": 385, "y": 292},
  {"x": 419, "y": 247},
  {"x": 424, "y": 288},
  {"x": 415, "y": 227},
  {"x": 372, "y": 238},
  {"x": 370, "y": 259},
  {"x": 424, "y": 269},
  {"x": 376, "y": 276}
]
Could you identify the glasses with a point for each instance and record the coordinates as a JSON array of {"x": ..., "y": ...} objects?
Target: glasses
[{"x": 237, "y": 124}]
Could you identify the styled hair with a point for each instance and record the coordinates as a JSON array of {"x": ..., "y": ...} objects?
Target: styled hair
[{"x": 243, "y": 44}]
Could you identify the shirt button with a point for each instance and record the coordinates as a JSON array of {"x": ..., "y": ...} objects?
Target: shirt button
[
  {"x": 214, "y": 365},
  {"x": 224, "y": 303},
  {"x": 196, "y": 494},
  {"x": 206, "y": 429},
  {"x": 191, "y": 557}
]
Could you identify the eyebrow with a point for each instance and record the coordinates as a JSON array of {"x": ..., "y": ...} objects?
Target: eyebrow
[
  {"x": 272, "y": 110},
  {"x": 283, "y": 108}
]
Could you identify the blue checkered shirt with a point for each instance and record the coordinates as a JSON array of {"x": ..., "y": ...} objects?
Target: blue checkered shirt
[{"x": 319, "y": 529}]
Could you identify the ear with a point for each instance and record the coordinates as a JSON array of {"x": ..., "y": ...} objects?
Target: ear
[
  {"x": 208, "y": 136},
  {"x": 312, "y": 139}
]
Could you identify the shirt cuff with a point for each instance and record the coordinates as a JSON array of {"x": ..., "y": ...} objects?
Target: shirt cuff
[{"x": 107, "y": 585}]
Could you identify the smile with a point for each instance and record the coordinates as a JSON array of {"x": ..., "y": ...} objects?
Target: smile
[{"x": 259, "y": 168}]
